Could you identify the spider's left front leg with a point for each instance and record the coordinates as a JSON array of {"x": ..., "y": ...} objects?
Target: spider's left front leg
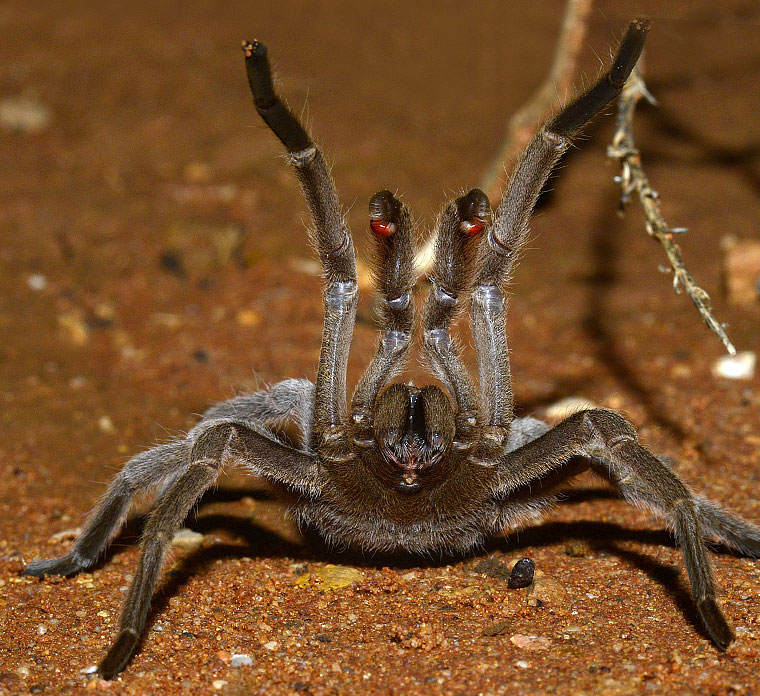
[
  {"x": 610, "y": 442},
  {"x": 331, "y": 237}
]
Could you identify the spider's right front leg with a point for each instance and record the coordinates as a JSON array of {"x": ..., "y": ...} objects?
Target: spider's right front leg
[
  {"x": 333, "y": 242},
  {"x": 395, "y": 275}
]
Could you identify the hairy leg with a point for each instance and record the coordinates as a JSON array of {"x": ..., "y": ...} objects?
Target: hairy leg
[
  {"x": 609, "y": 441},
  {"x": 459, "y": 227},
  {"x": 505, "y": 237},
  {"x": 285, "y": 400},
  {"x": 144, "y": 471},
  {"x": 161, "y": 528},
  {"x": 395, "y": 276},
  {"x": 331, "y": 237},
  {"x": 213, "y": 443},
  {"x": 160, "y": 466}
]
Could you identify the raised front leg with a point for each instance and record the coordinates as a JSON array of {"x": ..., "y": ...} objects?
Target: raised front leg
[
  {"x": 610, "y": 443},
  {"x": 330, "y": 235},
  {"x": 506, "y": 236}
]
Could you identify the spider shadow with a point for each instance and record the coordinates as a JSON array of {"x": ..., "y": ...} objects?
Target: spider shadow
[{"x": 258, "y": 541}]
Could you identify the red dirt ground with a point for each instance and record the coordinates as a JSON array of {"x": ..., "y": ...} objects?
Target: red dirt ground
[{"x": 165, "y": 238}]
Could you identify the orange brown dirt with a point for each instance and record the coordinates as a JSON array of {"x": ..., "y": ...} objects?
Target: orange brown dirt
[{"x": 154, "y": 261}]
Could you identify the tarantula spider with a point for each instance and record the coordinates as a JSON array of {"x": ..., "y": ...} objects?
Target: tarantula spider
[{"x": 406, "y": 467}]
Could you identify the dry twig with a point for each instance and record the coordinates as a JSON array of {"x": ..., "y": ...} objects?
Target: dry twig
[
  {"x": 633, "y": 179},
  {"x": 524, "y": 124}
]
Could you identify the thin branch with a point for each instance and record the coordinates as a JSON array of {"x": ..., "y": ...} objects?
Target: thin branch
[
  {"x": 524, "y": 124},
  {"x": 633, "y": 179}
]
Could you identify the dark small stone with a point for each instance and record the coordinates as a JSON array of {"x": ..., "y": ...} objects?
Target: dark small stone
[
  {"x": 37, "y": 689},
  {"x": 300, "y": 686},
  {"x": 201, "y": 356},
  {"x": 522, "y": 574},
  {"x": 323, "y": 638},
  {"x": 97, "y": 322},
  {"x": 172, "y": 261},
  {"x": 187, "y": 634}
]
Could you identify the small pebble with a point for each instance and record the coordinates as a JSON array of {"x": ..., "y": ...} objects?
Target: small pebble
[
  {"x": 23, "y": 671},
  {"x": 97, "y": 684},
  {"x": 271, "y": 645},
  {"x": 547, "y": 590},
  {"x": 219, "y": 684},
  {"x": 23, "y": 115},
  {"x": 522, "y": 574},
  {"x": 337, "y": 577},
  {"x": 497, "y": 629},
  {"x": 533, "y": 643},
  {"x": 89, "y": 670},
  {"x": 240, "y": 660},
  {"x": 224, "y": 656},
  {"x": 187, "y": 539},
  {"x": 42, "y": 629},
  {"x": 739, "y": 366},
  {"x": 37, "y": 282},
  {"x": 65, "y": 535},
  {"x": 106, "y": 424},
  {"x": 522, "y": 664}
]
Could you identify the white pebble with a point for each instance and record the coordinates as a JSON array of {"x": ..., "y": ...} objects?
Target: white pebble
[
  {"x": 42, "y": 629},
  {"x": 271, "y": 645},
  {"x": 65, "y": 535},
  {"x": 89, "y": 670},
  {"x": 241, "y": 660},
  {"x": 219, "y": 684},
  {"x": 36, "y": 281},
  {"x": 106, "y": 424},
  {"x": 739, "y": 366},
  {"x": 23, "y": 114},
  {"x": 187, "y": 539},
  {"x": 522, "y": 664}
]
